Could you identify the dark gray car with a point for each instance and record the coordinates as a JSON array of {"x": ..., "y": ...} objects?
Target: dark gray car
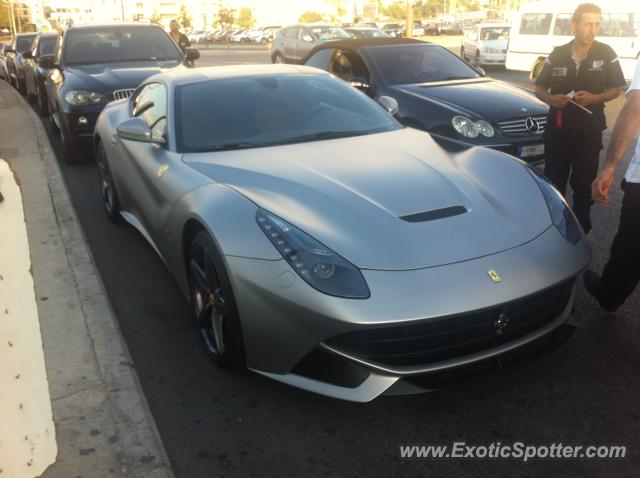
[{"x": 291, "y": 44}]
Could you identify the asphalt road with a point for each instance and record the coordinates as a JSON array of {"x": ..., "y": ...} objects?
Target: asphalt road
[{"x": 215, "y": 423}]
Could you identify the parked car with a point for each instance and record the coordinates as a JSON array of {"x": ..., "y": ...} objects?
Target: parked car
[
  {"x": 266, "y": 35},
  {"x": 15, "y": 60},
  {"x": 323, "y": 245},
  {"x": 34, "y": 74},
  {"x": 367, "y": 24},
  {"x": 292, "y": 43},
  {"x": 4, "y": 49},
  {"x": 394, "y": 29},
  {"x": 440, "y": 93},
  {"x": 450, "y": 28},
  {"x": 486, "y": 44},
  {"x": 431, "y": 28},
  {"x": 236, "y": 36},
  {"x": 96, "y": 64},
  {"x": 365, "y": 32}
]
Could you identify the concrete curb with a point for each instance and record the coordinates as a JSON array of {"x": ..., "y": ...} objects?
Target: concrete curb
[{"x": 124, "y": 440}]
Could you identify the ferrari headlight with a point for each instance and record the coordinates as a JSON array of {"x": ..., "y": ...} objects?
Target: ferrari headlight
[
  {"x": 472, "y": 129},
  {"x": 561, "y": 215},
  {"x": 315, "y": 263},
  {"x": 81, "y": 98}
]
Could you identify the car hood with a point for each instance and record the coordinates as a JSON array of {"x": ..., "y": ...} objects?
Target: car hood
[
  {"x": 352, "y": 195},
  {"x": 482, "y": 98},
  {"x": 115, "y": 76}
]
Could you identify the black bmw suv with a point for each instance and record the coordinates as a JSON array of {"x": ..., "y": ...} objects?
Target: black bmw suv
[{"x": 96, "y": 64}]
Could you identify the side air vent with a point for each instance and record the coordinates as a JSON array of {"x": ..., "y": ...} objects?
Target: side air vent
[{"x": 435, "y": 214}]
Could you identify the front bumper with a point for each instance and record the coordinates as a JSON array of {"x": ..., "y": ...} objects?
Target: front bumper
[
  {"x": 493, "y": 58},
  {"x": 289, "y": 329}
]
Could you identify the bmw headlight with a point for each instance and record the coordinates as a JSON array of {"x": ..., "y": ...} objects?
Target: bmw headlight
[
  {"x": 561, "y": 215},
  {"x": 81, "y": 98},
  {"x": 472, "y": 129},
  {"x": 315, "y": 263}
]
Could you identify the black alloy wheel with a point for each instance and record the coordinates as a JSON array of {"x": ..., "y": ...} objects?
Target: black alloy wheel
[
  {"x": 107, "y": 189},
  {"x": 214, "y": 304}
]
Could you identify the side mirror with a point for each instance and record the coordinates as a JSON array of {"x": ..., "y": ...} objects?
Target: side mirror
[
  {"x": 389, "y": 104},
  {"x": 192, "y": 54},
  {"x": 47, "y": 62},
  {"x": 307, "y": 38},
  {"x": 135, "y": 129},
  {"x": 27, "y": 55},
  {"x": 481, "y": 71}
]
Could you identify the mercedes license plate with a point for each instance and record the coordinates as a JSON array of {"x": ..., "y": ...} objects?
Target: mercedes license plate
[{"x": 533, "y": 150}]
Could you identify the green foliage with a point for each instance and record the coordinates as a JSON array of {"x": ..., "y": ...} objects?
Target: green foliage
[
  {"x": 226, "y": 17},
  {"x": 397, "y": 10},
  {"x": 155, "y": 17},
  {"x": 246, "y": 19},
  {"x": 5, "y": 19},
  {"x": 310, "y": 17},
  {"x": 184, "y": 18}
]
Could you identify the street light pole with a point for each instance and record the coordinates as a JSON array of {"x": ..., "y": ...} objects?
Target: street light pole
[{"x": 13, "y": 20}]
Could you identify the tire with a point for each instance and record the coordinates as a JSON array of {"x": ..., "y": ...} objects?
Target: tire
[
  {"x": 54, "y": 126},
  {"x": 537, "y": 70},
  {"x": 21, "y": 87},
  {"x": 476, "y": 60},
  {"x": 278, "y": 58},
  {"x": 43, "y": 105},
  {"x": 462, "y": 54},
  {"x": 110, "y": 200},
  {"x": 214, "y": 304}
]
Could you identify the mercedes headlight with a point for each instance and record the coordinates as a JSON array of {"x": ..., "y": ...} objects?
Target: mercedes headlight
[
  {"x": 561, "y": 215},
  {"x": 472, "y": 129},
  {"x": 315, "y": 263},
  {"x": 81, "y": 98}
]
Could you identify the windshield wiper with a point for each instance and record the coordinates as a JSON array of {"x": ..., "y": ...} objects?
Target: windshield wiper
[
  {"x": 450, "y": 78},
  {"x": 321, "y": 136},
  {"x": 228, "y": 147}
]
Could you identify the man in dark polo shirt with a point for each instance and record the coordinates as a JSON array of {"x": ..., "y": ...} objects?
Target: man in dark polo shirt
[
  {"x": 181, "y": 39},
  {"x": 576, "y": 81}
]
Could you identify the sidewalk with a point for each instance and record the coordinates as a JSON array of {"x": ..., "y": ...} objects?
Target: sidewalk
[{"x": 87, "y": 383}]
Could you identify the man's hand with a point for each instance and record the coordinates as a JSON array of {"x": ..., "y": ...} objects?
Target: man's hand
[
  {"x": 584, "y": 98},
  {"x": 558, "y": 101},
  {"x": 600, "y": 187}
]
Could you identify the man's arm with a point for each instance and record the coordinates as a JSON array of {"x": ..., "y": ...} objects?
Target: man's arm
[
  {"x": 585, "y": 98},
  {"x": 624, "y": 132},
  {"x": 557, "y": 101}
]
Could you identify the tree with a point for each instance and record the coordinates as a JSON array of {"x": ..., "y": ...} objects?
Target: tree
[
  {"x": 155, "y": 17},
  {"x": 5, "y": 19},
  {"x": 184, "y": 18},
  {"x": 310, "y": 17},
  {"x": 397, "y": 10},
  {"x": 246, "y": 19},
  {"x": 226, "y": 17}
]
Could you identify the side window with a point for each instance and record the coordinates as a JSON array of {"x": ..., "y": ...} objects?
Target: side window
[
  {"x": 304, "y": 32},
  {"x": 321, "y": 59},
  {"x": 563, "y": 24},
  {"x": 535, "y": 23},
  {"x": 34, "y": 46},
  {"x": 292, "y": 33},
  {"x": 348, "y": 65},
  {"x": 151, "y": 105},
  {"x": 618, "y": 25}
]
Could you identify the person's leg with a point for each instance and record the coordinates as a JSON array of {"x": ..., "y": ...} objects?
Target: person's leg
[
  {"x": 584, "y": 169},
  {"x": 557, "y": 163},
  {"x": 621, "y": 274}
]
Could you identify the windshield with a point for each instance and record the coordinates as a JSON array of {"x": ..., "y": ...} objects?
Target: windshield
[
  {"x": 258, "y": 111},
  {"x": 47, "y": 45},
  {"x": 118, "y": 44},
  {"x": 421, "y": 63},
  {"x": 24, "y": 43},
  {"x": 329, "y": 33},
  {"x": 494, "y": 33}
]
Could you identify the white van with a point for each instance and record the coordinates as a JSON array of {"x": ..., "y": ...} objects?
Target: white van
[{"x": 539, "y": 27}]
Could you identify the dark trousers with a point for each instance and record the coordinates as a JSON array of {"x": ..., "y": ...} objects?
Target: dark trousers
[
  {"x": 622, "y": 273},
  {"x": 575, "y": 161}
]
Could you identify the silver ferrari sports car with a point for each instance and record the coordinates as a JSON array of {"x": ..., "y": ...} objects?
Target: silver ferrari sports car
[{"x": 326, "y": 246}]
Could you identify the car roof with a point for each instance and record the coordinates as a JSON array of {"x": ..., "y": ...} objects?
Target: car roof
[
  {"x": 91, "y": 26},
  {"x": 357, "y": 43},
  {"x": 195, "y": 75}
]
